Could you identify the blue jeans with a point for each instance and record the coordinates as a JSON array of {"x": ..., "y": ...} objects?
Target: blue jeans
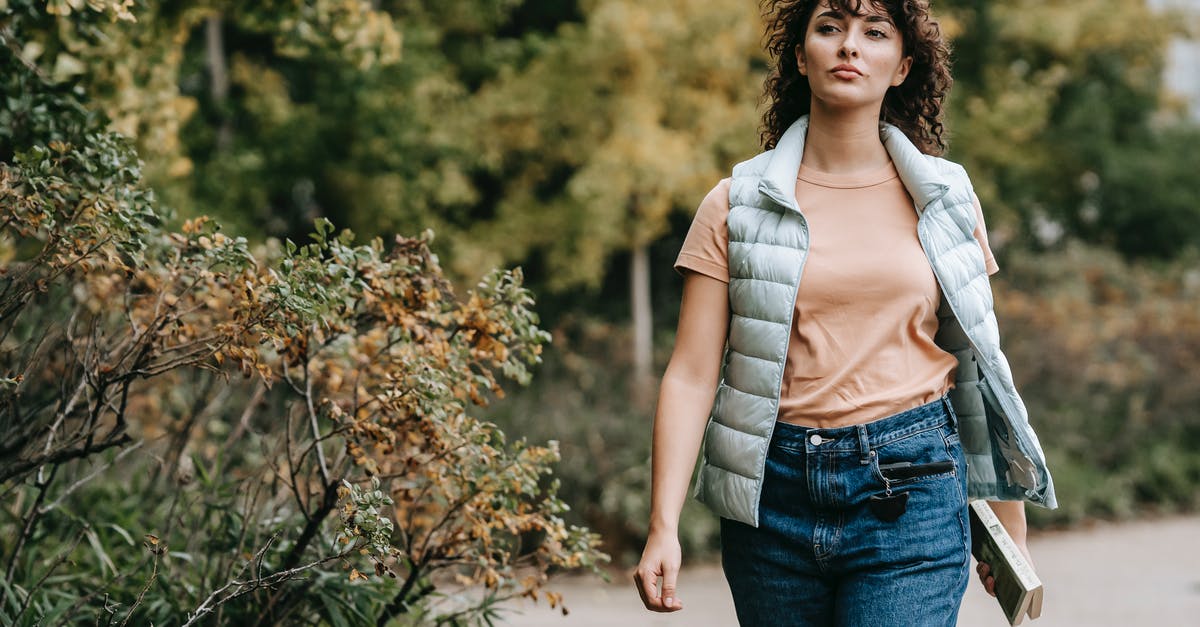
[{"x": 825, "y": 554}]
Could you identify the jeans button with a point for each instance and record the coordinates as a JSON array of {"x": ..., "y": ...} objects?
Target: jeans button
[{"x": 816, "y": 439}]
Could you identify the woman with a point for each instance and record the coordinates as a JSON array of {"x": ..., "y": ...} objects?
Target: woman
[{"x": 848, "y": 268}]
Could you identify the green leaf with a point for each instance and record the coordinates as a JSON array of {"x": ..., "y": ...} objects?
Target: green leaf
[
  {"x": 333, "y": 608},
  {"x": 105, "y": 562},
  {"x": 124, "y": 534}
]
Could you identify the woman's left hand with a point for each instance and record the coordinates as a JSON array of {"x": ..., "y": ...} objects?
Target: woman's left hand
[
  {"x": 1012, "y": 516},
  {"x": 984, "y": 570}
]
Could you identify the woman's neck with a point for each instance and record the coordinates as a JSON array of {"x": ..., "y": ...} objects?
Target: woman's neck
[{"x": 843, "y": 141}]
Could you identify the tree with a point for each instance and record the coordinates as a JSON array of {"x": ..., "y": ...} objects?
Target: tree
[
  {"x": 1057, "y": 111},
  {"x": 619, "y": 121}
]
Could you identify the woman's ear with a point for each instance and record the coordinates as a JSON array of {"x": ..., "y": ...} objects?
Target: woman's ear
[
  {"x": 800, "y": 60},
  {"x": 902, "y": 71}
]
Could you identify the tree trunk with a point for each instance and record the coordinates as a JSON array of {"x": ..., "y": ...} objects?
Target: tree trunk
[
  {"x": 643, "y": 343},
  {"x": 218, "y": 75}
]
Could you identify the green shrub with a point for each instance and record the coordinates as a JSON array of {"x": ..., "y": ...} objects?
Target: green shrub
[
  {"x": 581, "y": 397},
  {"x": 1107, "y": 356},
  {"x": 195, "y": 431}
]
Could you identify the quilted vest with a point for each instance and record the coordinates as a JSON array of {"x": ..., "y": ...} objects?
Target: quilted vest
[{"x": 768, "y": 245}]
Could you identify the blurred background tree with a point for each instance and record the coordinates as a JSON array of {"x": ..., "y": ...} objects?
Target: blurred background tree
[
  {"x": 576, "y": 137},
  {"x": 1058, "y": 108}
]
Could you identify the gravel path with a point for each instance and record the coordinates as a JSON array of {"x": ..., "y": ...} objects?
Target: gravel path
[{"x": 1139, "y": 573}]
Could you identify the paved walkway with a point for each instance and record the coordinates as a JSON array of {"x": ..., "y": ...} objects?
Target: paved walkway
[{"x": 1140, "y": 573}]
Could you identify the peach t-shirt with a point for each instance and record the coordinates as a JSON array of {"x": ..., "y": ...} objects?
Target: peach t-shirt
[{"x": 862, "y": 344}]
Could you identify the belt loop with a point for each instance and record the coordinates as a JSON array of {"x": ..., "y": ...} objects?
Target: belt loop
[
  {"x": 864, "y": 445},
  {"x": 952, "y": 417}
]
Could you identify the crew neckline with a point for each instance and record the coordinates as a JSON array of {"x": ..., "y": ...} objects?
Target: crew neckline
[{"x": 854, "y": 180}]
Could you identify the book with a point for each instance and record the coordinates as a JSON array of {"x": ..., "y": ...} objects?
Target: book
[{"x": 1017, "y": 588}]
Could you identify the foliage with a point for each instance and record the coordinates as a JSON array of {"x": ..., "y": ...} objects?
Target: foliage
[
  {"x": 504, "y": 114},
  {"x": 1058, "y": 113},
  {"x": 562, "y": 134},
  {"x": 581, "y": 397},
  {"x": 553, "y": 134},
  {"x": 123, "y": 414},
  {"x": 137, "y": 58},
  {"x": 1106, "y": 355},
  {"x": 619, "y": 121}
]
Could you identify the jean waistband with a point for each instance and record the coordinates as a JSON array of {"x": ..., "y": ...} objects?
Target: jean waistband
[{"x": 869, "y": 435}]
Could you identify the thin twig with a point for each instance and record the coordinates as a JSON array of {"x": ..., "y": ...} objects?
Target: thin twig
[
  {"x": 260, "y": 390},
  {"x": 312, "y": 418},
  {"x": 243, "y": 587},
  {"x": 62, "y": 557},
  {"x": 450, "y": 512},
  {"x": 397, "y": 605},
  {"x": 108, "y": 585},
  {"x": 201, "y": 405},
  {"x": 293, "y": 484},
  {"x": 60, "y": 417},
  {"x": 95, "y": 472},
  {"x": 316, "y": 443},
  {"x": 328, "y": 503},
  {"x": 157, "y": 551},
  {"x": 27, "y": 529}
]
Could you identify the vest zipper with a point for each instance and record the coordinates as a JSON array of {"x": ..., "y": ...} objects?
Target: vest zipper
[
  {"x": 1024, "y": 446},
  {"x": 783, "y": 366}
]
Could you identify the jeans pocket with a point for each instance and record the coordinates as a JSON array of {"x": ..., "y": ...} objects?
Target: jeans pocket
[
  {"x": 899, "y": 471},
  {"x": 922, "y": 456}
]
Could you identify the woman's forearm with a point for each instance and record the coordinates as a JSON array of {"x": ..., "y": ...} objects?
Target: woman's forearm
[
  {"x": 679, "y": 421},
  {"x": 1012, "y": 516}
]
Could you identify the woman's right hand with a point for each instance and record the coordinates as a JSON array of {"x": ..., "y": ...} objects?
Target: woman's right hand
[{"x": 661, "y": 558}]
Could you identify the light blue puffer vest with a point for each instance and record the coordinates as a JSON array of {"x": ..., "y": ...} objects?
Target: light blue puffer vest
[{"x": 768, "y": 244}]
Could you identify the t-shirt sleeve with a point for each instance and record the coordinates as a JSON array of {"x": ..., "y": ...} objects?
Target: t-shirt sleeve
[
  {"x": 706, "y": 247},
  {"x": 989, "y": 259}
]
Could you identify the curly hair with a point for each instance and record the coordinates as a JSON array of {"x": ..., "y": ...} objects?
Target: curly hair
[{"x": 915, "y": 106}]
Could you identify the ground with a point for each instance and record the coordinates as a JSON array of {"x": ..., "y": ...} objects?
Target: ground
[{"x": 1137, "y": 573}]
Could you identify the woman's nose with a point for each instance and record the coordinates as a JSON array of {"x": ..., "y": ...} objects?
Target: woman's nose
[{"x": 849, "y": 47}]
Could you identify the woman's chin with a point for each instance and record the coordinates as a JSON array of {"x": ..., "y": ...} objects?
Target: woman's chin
[{"x": 840, "y": 100}]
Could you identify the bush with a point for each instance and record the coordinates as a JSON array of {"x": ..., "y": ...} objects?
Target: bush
[
  {"x": 1107, "y": 356},
  {"x": 195, "y": 431},
  {"x": 581, "y": 397}
]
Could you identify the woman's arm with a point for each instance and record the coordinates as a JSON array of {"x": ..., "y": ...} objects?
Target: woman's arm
[
  {"x": 684, "y": 400},
  {"x": 1012, "y": 516}
]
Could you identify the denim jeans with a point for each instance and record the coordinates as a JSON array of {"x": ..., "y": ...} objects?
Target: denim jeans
[{"x": 825, "y": 554}]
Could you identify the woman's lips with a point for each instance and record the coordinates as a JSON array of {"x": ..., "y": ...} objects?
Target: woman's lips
[{"x": 846, "y": 71}]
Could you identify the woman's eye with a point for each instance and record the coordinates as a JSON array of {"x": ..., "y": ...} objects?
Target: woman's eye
[
  {"x": 875, "y": 32},
  {"x": 826, "y": 28}
]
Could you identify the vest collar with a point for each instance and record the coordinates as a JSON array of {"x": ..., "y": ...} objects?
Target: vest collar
[{"x": 917, "y": 174}]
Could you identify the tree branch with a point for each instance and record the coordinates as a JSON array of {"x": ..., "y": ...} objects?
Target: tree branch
[
  {"x": 312, "y": 418},
  {"x": 90, "y": 476},
  {"x": 398, "y": 605},
  {"x": 157, "y": 551},
  {"x": 241, "y": 588},
  {"x": 63, "y": 455}
]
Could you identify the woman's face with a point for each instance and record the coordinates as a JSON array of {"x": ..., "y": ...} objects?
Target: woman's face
[{"x": 851, "y": 60}]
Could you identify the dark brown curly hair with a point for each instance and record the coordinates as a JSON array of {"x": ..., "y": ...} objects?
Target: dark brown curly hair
[{"x": 915, "y": 106}]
